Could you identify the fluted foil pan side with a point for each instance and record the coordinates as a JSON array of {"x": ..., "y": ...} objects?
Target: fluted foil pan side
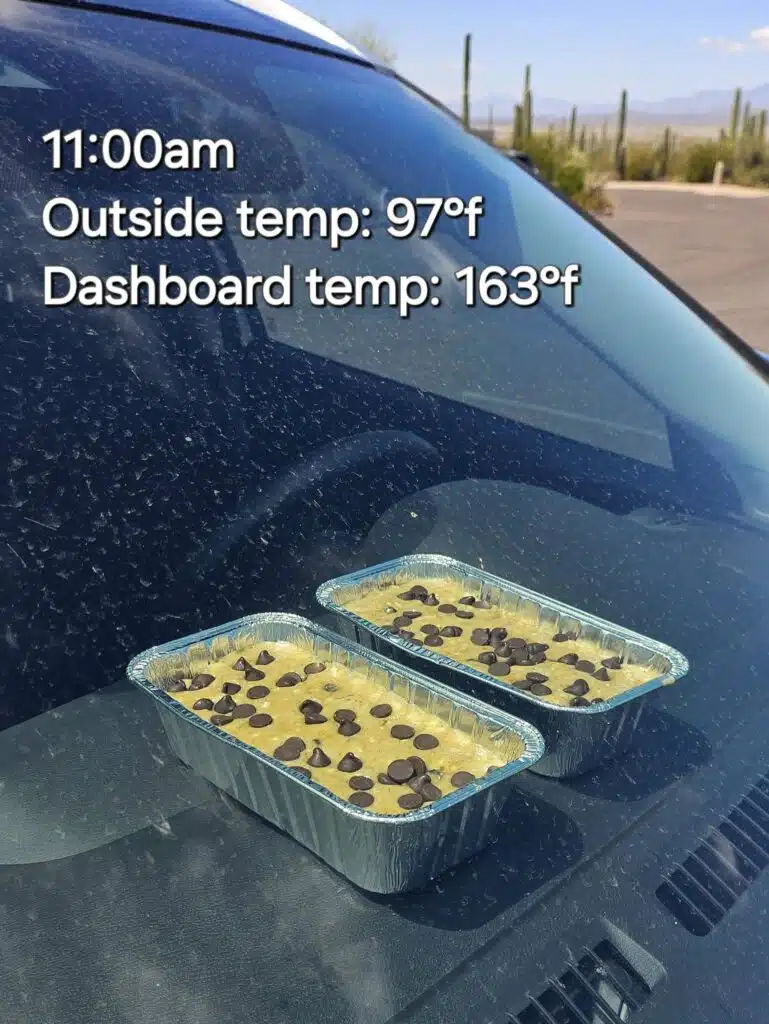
[
  {"x": 576, "y": 739},
  {"x": 379, "y": 853}
]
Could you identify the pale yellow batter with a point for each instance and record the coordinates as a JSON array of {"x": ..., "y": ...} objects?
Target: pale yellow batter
[
  {"x": 368, "y": 753},
  {"x": 387, "y": 606}
]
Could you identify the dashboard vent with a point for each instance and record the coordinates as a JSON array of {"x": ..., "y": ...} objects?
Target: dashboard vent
[
  {"x": 599, "y": 988},
  {"x": 701, "y": 890}
]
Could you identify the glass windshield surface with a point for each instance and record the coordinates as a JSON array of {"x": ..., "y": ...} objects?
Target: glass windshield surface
[{"x": 169, "y": 469}]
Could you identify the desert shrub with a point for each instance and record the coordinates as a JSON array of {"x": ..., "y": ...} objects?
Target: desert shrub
[
  {"x": 642, "y": 162},
  {"x": 699, "y": 161},
  {"x": 570, "y": 173},
  {"x": 756, "y": 176}
]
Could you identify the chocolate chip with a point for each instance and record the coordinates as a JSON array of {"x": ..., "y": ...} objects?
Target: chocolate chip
[
  {"x": 418, "y": 782},
  {"x": 597, "y": 700},
  {"x": 569, "y": 659},
  {"x": 176, "y": 686},
  {"x": 303, "y": 771},
  {"x": 497, "y": 634},
  {"x": 402, "y": 621},
  {"x": 241, "y": 665},
  {"x": 243, "y": 711},
  {"x": 260, "y": 721},
  {"x": 314, "y": 667},
  {"x": 410, "y": 801},
  {"x": 602, "y": 674},
  {"x": 400, "y": 771},
  {"x": 564, "y": 638},
  {"x": 482, "y": 603},
  {"x": 257, "y": 691},
  {"x": 585, "y": 666},
  {"x": 289, "y": 679},
  {"x": 220, "y": 719},
  {"x": 536, "y": 677},
  {"x": 516, "y": 642},
  {"x": 487, "y": 658},
  {"x": 520, "y": 656},
  {"x": 224, "y": 705},
  {"x": 405, "y": 634},
  {"x": 231, "y": 688},
  {"x": 538, "y": 648},
  {"x": 447, "y": 609},
  {"x": 499, "y": 668},
  {"x": 350, "y": 763},
  {"x": 464, "y": 614},
  {"x": 381, "y": 711},
  {"x": 408, "y": 595},
  {"x": 539, "y": 689},
  {"x": 401, "y": 732},
  {"x": 348, "y": 728},
  {"x": 431, "y": 601},
  {"x": 419, "y": 591},
  {"x": 420, "y": 768},
  {"x": 451, "y": 631},
  {"x": 467, "y": 599},
  {"x": 503, "y": 652},
  {"x": 204, "y": 704},
  {"x": 361, "y": 782},
  {"x": 522, "y": 684},
  {"x": 433, "y": 640},
  {"x": 310, "y": 705},
  {"x": 318, "y": 758},
  {"x": 264, "y": 658},
  {"x": 535, "y": 657},
  {"x": 385, "y": 780},
  {"x": 344, "y": 715},
  {"x": 314, "y": 718},
  {"x": 613, "y": 663},
  {"x": 425, "y": 741},
  {"x": 361, "y": 799},
  {"x": 253, "y": 675},
  {"x": 330, "y": 687},
  {"x": 578, "y": 702},
  {"x": 201, "y": 681},
  {"x": 480, "y": 637},
  {"x": 460, "y": 779},
  {"x": 290, "y": 749},
  {"x": 412, "y": 614},
  {"x": 579, "y": 688},
  {"x": 429, "y": 628},
  {"x": 430, "y": 791}
]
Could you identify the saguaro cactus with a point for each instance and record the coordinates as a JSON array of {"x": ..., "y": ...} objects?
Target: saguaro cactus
[
  {"x": 466, "y": 80},
  {"x": 665, "y": 152},
  {"x": 761, "y": 129},
  {"x": 747, "y": 121},
  {"x": 527, "y": 104},
  {"x": 734, "y": 124},
  {"x": 620, "y": 145},
  {"x": 582, "y": 145},
  {"x": 573, "y": 128},
  {"x": 517, "y": 126}
]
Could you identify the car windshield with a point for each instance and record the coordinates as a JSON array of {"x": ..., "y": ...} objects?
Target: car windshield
[{"x": 171, "y": 465}]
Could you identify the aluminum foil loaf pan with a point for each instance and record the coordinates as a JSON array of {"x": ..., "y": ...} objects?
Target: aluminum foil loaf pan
[
  {"x": 380, "y": 853},
  {"x": 576, "y": 739}
]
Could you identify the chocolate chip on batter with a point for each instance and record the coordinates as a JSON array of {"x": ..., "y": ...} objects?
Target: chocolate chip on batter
[
  {"x": 412, "y": 614},
  {"x": 487, "y": 658},
  {"x": 516, "y": 642},
  {"x": 497, "y": 635},
  {"x": 602, "y": 674},
  {"x": 520, "y": 656},
  {"x": 289, "y": 679},
  {"x": 419, "y": 591},
  {"x": 564, "y": 638},
  {"x": 504, "y": 652},
  {"x": 569, "y": 659},
  {"x": 381, "y": 711},
  {"x": 231, "y": 688},
  {"x": 319, "y": 758},
  {"x": 253, "y": 675},
  {"x": 286, "y": 752},
  {"x": 460, "y": 779},
  {"x": 264, "y": 658},
  {"x": 410, "y": 801},
  {"x": 597, "y": 700},
  {"x": 539, "y": 689},
  {"x": 426, "y": 741},
  {"x": 260, "y": 721},
  {"x": 429, "y": 628},
  {"x": 385, "y": 780},
  {"x": 463, "y": 613},
  {"x": 467, "y": 599},
  {"x": 330, "y": 687},
  {"x": 350, "y": 763},
  {"x": 418, "y": 782},
  {"x": 614, "y": 663},
  {"x": 314, "y": 667},
  {"x": 344, "y": 715},
  {"x": 579, "y": 688},
  {"x": 255, "y": 692},
  {"x": 482, "y": 603},
  {"x": 538, "y": 648},
  {"x": 535, "y": 657},
  {"x": 401, "y": 732},
  {"x": 176, "y": 686},
  {"x": 522, "y": 684},
  {"x": 499, "y": 668},
  {"x": 430, "y": 791},
  {"x": 310, "y": 705},
  {"x": 585, "y": 666},
  {"x": 361, "y": 799},
  {"x": 224, "y": 705},
  {"x": 244, "y": 711},
  {"x": 405, "y": 634},
  {"x": 447, "y": 609},
  {"x": 401, "y": 621},
  {"x": 480, "y": 637},
  {"x": 420, "y": 768},
  {"x": 220, "y": 719},
  {"x": 431, "y": 601},
  {"x": 407, "y": 595},
  {"x": 348, "y": 728},
  {"x": 361, "y": 782},
  {"x": 314, "y": 718},
  {"x": 451, "y": 631},
  {"x": 303, "y": 771},
  {"x": 536, "y": 677},
  {"x": 400, "y": 771},
  {"x": 201, "y": 681},
  {"x": 204, "y": 704},
  {"x": 241, "y": 665},
  {"x": 579, "y": 702},
  {"x": 433, "y": 640}
]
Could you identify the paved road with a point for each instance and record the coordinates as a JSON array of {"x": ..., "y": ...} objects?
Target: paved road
[{"x": 715, "y": 247}]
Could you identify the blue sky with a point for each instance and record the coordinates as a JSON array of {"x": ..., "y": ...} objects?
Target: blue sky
[{"x": 580, "y": 51}]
